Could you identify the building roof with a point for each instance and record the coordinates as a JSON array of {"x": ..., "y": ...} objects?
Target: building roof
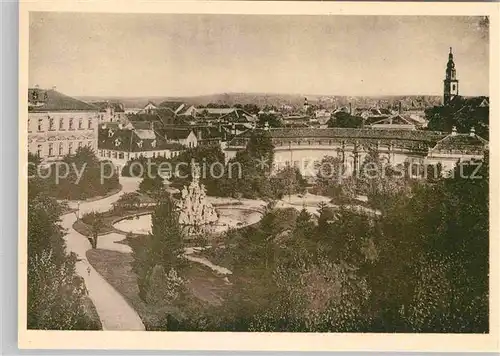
[
  {"x": 427, "y": 137},
  {"x": 469, "y": 143},
  {"x": 103, "y": 105},
  {"x": 174, "y": 133},
  {"x": 41, "y": 100},
  {"x": 128, "y": 140},
  {"x": 396, "y": 120}
]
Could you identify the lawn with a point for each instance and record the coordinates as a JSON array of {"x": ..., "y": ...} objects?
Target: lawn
[{"x": 116, "y": 268}]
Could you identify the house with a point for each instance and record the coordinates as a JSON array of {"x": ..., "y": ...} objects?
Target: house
[
  {"x": 148, "y": 109},
  {"x": 457, "y": 147},
  {"x": 398, "y": 122},
  {"x": 58, "y": 124},
  {"x": 179, "y": 135},
  {"x": 110, "y": 111},
  {"x": 120, "y": 143}
]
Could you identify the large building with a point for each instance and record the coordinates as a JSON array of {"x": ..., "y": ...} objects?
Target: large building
[
  {"x": 304, "y": 148},
  {"x": 58, "y": 124}
]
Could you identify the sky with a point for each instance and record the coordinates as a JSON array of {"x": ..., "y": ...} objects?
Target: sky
[{"x": 189, "y": 54}]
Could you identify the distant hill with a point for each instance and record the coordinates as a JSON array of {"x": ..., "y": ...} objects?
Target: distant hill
[{"x": 263, "y": 99}]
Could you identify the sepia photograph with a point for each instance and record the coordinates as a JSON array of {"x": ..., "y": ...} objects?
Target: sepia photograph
[{"x": 254, "y": 173}]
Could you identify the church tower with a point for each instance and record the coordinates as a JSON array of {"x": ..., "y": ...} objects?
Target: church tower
[{"x": 450, "y": 81}]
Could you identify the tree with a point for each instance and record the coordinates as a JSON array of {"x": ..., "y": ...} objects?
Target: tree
[
  {"x": 251, "y": 108},
  {"x": 272, "y": 120},
  {"x": 95, "y": 223},
  {"x": 164, "y": 245},
  {"x": 330, "y": 176},
  {"x": 463, "y": 114},
  {"x": 151, "y": 186},
  {"x": 57, "y": 297},
  {"x": 289, "y": 180},
  {"x": 97, "y": 178},
  {"x": 345, "y": 120},
  {"x": 128, "y": 201}
]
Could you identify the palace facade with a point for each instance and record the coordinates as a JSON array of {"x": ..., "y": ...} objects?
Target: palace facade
[
  {"x": 305, "y": 148},
  {"x": 58, "y": 124}
]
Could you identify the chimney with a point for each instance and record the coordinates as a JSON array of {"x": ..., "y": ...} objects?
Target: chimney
[
  {"x": 350, "y": 109},
  {"x": 472, "y": 132},
  {"x": 454, "y": 131},
  {"x": 399, "y": 107}
]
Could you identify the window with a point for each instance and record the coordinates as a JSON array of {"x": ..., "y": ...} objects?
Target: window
[
  {"x": 51, "y": 124},
  {"x": 40, "y": 124},
  {"x": 51, "y": 149},
  {"x": 61, "y": 124},
  {"x": 89, "y": 144},
  {"x": 89, "y": 124},
  {"x": 61, "y": 148},
  {"x": 70, "y": 124},
  {"x": 29, "y": 125},
  {"x": 70, "y": 147},
  {"x": 80, "y": 144},
  {"x": 39, "y": 150},
  {"x": 80, "y": 123}
]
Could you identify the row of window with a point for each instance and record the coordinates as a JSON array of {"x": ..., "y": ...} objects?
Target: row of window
[
  {"x": 121, "y": 155},
  {"x": 58, "y": 149},
  {"x": 71, "y": 124}
]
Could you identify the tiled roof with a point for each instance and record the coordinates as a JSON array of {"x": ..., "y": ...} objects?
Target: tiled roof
[
  {"x": 142, "y": 125},
  {"x": 103, "y": 105},
  {"x": 127, "y": 140},
  {"x": 175, "y": 133},
  {"x": 461, "y": 142},
  {"x": 40, "y": 100},
  {"x": 172, "y": 105},
  {"x": 145, "y": 134},
  {"x": 429, "y": 137},
  {"x": 394, "y": 120}
]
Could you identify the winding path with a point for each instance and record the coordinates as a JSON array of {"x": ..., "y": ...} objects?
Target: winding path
[{"x": 113, "y": 310}]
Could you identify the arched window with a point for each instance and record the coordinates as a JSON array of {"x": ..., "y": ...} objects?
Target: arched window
[
  {"x": 51, "y": 149},
  {"x": 51, "y": 124},
  {"x": 89, "y": 124},
  {"x": 80, "y": 144},
  {"x": 61, "y": 124},
  {"x": 80, "y": 123},
  {"x": 40, "y": 124},
  {"x": 70, "y": 148},
  {"x": 70, "y": 127},
  {"x": 39, "y": 150},
  {"x": 60, "y": 148}
]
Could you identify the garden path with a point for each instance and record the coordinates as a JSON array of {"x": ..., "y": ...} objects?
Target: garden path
[{"x": 113, "y": 310}]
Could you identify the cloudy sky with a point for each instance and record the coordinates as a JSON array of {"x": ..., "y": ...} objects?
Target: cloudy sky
[{"x": 182, "y": 55}]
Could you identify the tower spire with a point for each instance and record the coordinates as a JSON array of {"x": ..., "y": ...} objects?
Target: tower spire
[{"x": 450, "y": 81}]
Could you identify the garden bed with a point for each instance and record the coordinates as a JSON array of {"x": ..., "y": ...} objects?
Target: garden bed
[{"x": 110, "y": 218}]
